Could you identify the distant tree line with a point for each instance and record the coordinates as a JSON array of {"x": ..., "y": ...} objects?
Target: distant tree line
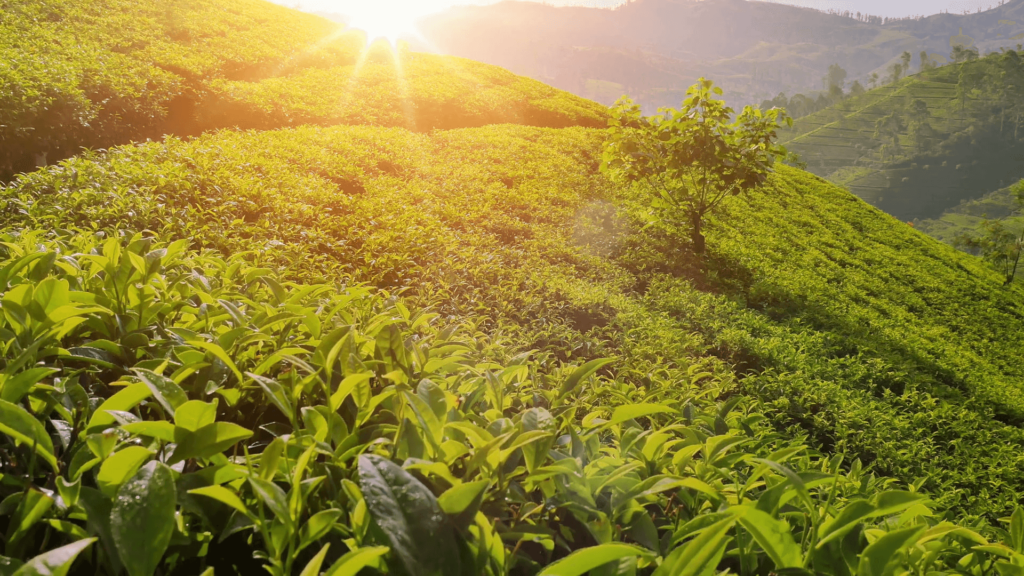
[
  {"x": 834, "y": 82},
  {"x": 868, "y": 18},
  {"x": 833, "y": 91}
]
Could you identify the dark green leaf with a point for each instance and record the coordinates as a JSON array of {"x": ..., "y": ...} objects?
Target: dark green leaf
[
  {"x": 17, "y": 423},
  {"x": 422, "y": 539},
  {"x": 165, "y": 390},
  {"x": 142, "y": 519}
]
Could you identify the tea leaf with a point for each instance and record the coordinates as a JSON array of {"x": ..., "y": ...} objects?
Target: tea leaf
[
  {"x": 422, "y": 539},
  {"x": 633, "y": 411},
  {"x": 120, "y": 466},
  {"x": 772, "y": 535},
  {"x": 224, "y": 496},
  {"x": 313, "y": 567},
  {"x": 142, "y": 519},
  {"x": 582, "y": 373},
  {"x": 165, "y": 390},
  {"x": 350, "y": 564},
  {"x": 18, "y": 386},
  {"x": 876, "y": 557},
  {"x": 55, "y": 562},
  {"x": 700, "y": 554},
  {"x": 17, "y": 423},
  {"x": 587, "y": 559}
]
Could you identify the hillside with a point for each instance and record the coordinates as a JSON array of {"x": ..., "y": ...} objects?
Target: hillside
[
  {"x": 653, "y": 49},
  {"x": 840, "y": 319},
  {"x": 101, "y": 73},
  {"x": 363, "y": 344},
  {"x": 957, "y": 128}
]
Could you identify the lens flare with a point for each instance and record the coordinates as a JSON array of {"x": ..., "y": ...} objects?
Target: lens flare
[{"x": 389, "y": 19}]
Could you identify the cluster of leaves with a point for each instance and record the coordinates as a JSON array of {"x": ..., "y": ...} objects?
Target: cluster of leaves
[
  {"x": 167, "y": 411},
  {"x": 104, "y": 72}
]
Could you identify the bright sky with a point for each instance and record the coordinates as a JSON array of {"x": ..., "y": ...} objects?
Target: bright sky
[{"x": 391, "y": 18}]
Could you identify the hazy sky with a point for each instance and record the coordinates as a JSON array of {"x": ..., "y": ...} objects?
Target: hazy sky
[{"x": 876, "y": 7}]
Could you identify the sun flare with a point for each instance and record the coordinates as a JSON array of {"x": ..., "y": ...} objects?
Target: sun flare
[{"x": 389, "y": 19}]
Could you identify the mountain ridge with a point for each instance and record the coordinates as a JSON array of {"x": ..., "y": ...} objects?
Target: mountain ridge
[{"x": 772, "y": 48}]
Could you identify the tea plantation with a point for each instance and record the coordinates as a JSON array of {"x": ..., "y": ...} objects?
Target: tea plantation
[
  {"x": 925, "y": 143},
  {"x": 360, "y": 346}
]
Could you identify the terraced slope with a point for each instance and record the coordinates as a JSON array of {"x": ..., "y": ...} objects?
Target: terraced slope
[
  {"x": 968, "y": 217},
  {"x": 100, "y": 73},
  {"x": 842, "y": 323},
  {"x": 971, "y": 147}
]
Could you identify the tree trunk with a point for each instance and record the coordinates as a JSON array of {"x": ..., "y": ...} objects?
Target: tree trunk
[
  {"x": 1016, "y": 261},
  {"x": 697, "y": 237}
]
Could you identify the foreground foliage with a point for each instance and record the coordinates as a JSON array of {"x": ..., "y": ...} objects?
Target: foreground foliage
[{"x": 167, "y": 410}]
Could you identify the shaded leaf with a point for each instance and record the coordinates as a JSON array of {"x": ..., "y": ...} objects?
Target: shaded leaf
[
  {"x": 422, "y": 539},
  {"x": 142, "y": 519}
]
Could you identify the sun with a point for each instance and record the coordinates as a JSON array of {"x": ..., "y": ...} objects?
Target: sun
[{"x": 389, "y": 19}]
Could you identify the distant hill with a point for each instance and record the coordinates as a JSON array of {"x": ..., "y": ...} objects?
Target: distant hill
[
  {"x": 654, "y": 49},
  {"x": 959, "y": 130},
  {"x": 99, "y": 73}
]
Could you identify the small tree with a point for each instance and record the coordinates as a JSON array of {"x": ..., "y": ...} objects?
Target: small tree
[
  {"x": 888, "y": 129},
  {"x": 919, "y": 125},
  {"x": 895, "y": 73},
  {"x": 836, "y": 76},
  {"x": 927, "y": 63},
  {"x": 692, "y": 159},
  {"x": 905, "y": 61}
]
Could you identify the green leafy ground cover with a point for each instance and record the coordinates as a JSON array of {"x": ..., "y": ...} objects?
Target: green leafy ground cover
[
  {"x": 966, "y": 143},
  {"x": 849, "y": 331},
  {"x": 100, "y": 73},
  {"x": 213, "y": 418}
]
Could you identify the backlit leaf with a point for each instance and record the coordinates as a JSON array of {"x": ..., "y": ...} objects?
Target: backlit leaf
[{"x": 17, "y": 423}]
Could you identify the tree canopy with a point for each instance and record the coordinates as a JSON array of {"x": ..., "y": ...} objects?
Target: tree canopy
[{"x": 694, "y": 158}]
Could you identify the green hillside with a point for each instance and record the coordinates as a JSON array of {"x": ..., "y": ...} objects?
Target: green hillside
[
  {"x": 100, "y": 73},
  {"x": 951, "y": 148},
  {"x": 421, "y": 333},
  {"x": 851, "y": 327},
  {"x": 654, "y": 49}
]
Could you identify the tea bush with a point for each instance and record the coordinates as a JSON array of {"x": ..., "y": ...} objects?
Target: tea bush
[{"x": 177, "y": 412}]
